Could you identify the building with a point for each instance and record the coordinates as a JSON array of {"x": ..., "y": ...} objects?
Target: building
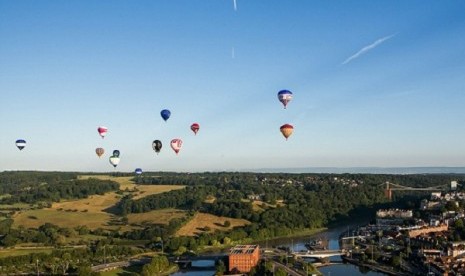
[
  {"x": 242, "y": 258},
  {"x": 456, "y": 249},
  {"x": 393, "y": 216},
  {"x": 427, "y": 230},
  {"x": 394, "y": 213}
]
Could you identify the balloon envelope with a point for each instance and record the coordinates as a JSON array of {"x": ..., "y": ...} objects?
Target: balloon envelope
[
  {"x": 102, "y": 131},
  {"x": 99, "y": 151},
  {"x": 195, "y": 128},
  {"x": 114, "y": 160},
  {"x": 285, "y": 96},
  {"x": 138, "y": 171},
  {"x": 287, "y": 130},
  {"x": 20, "y": 143},
  {"x": 156, "y": 145},
  {"x": 116, "y": 153},
  {"x": 176, "y": 145},
  {"x": 165, "y": 114}
]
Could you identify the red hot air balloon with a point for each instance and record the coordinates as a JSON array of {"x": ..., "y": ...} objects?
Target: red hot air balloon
[
  {"x": 102, "y": 131},
  {"x": 287, "y": 130},
  {"x": 176, "y": 145},
  {"x": 195, "y": 128}
]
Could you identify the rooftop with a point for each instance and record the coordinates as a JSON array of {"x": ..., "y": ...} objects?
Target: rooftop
[{"x": 243, "y": 249}]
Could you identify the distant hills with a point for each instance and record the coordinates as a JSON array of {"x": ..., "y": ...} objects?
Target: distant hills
[{"x": 368, "y": 170}]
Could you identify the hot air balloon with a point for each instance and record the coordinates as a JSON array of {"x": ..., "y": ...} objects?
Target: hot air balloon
[
  {"x": 285, "y": 96},
  {"x": 156, "y": 145},
  {"x": 102, "y": 131},
  {"x": 116, "y": 153},
  {"x": 114, "y": 160},
  {"x": 195, "y": 127},
  {"x": 99, "y": 151},
  {"x": 20, "y": 143},
  {"x": 176, "y": 145},
  {"x": 138, "y": 171},
  {"x": 165, "y": 114},
  {"x": 287, "y": 130}
]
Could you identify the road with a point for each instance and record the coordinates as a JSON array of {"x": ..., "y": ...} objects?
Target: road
[
  {"x": 115, "y": 265},
  {"x": 288, "y": 270}
]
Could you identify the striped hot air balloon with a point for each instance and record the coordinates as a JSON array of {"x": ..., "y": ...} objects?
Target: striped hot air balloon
[
  {"x": 20, "y": 143},
  {"x": 285, "y": 96},
  {"x": 99, "y": 151},
  {"x": 287, "y": 130}
]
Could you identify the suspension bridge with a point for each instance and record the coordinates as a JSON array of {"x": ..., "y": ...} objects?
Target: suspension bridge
[{"x": 390, "y": 187}]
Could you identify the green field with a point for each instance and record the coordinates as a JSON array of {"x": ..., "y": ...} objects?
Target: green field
[
  {"x": 122, "y": 271},
  {"x": 36, "y": 218},
  {"x": 126, "y": 271},
  {"x": 15, "y": 206},
  {"x": 20, "y": 252},
  {"x": 156, "y": 216}
]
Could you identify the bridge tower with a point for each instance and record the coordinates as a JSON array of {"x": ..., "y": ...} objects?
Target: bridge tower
[{"x": 388, "y": 191}]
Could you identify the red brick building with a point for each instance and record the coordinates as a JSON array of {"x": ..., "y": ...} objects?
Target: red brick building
[{"x": 242, "y": 258}]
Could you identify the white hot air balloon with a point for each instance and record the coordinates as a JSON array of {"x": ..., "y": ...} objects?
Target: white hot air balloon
[{"x": 114, "y": 160}]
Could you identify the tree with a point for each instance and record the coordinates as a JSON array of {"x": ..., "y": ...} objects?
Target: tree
[
  {"x": 458, "y": 224},
  {"x": 226, "y": 240},
  {"x": 65, "y": 261},
  {"x": 86, "y": 270},
  {"x": 220, "y": 268},
  {"x": 157, "y": 266},
  {"x": 395, "y": 261},
  {"x": 227, "y": 223},
  {"x": 280, "y": 272}
]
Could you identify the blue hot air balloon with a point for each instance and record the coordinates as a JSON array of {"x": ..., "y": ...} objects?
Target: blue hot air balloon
[
  {"x": 20, "y": 143},
  {"x": 285, "y": 96},
  {"x": 116, "y": 153},
  {"x": 138, "y": 171},
  {"x": 165, "y": 114}
]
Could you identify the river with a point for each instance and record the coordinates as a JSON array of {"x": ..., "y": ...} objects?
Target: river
[{"x": 298, "y": 244}]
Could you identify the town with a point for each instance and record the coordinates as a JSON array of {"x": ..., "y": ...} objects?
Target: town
[{"x": 428, "y": 240}]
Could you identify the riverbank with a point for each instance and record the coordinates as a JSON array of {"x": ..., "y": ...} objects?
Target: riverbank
[
  {"x": 373, "y": 267},
  {"x": 262, "y": 242}
]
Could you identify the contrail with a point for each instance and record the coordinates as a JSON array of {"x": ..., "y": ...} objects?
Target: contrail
[
  {"x": 235, "y": 5},
  {"x": 367, "y": 48}
]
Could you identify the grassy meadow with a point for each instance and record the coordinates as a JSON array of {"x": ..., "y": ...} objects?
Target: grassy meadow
[
  {"x": 200, "y": 221},
  {"x": 94, "y": 210},
  {"x": 21, "y": 252},
  {"x": 156, "y": 216}
]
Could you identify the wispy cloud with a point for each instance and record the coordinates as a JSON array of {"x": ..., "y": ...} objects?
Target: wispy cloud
[{"x": 368, "y": 48}]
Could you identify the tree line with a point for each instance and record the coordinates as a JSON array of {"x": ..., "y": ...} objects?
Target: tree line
[{"x": 34, "y": 187}]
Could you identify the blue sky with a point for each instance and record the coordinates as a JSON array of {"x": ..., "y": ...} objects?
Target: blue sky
[{"x": 375, "y": 83}]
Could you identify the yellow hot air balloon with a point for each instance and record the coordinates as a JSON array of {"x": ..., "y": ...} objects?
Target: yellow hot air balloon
[{"x": 287, "y": 130}]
